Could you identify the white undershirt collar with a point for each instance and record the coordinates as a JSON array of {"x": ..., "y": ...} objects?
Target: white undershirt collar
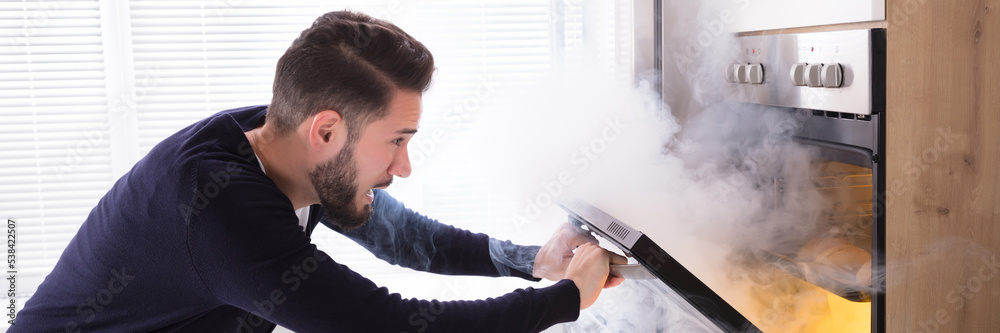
[{"x": 301, "y": 213}]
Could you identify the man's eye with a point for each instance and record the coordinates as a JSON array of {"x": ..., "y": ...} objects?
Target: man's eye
[{"x": 398, "y": 141}]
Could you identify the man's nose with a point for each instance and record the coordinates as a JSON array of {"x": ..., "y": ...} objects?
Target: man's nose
[{"x": 400, "y": 166}]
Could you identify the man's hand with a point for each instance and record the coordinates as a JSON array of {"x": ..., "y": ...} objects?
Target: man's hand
[
  {"x": 589, "y": 270},
  {"x": 553, "y": 258}
]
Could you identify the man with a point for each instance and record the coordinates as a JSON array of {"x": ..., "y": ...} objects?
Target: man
[{"x": 209, "y": 232}]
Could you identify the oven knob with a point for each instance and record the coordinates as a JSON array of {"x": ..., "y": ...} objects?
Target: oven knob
[
  {"x": 798, "y": 74},
  {"x": 755, "y": 73},
  {"x": 812, "y": 75},
  {"x": 731, "y": 73},
  {"x": 741, "y": 73},
  {"x": 832, "y": 76}
]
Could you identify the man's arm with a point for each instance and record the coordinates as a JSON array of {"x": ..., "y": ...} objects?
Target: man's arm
[
  {"x": 403, "y": 237},
  {"x": 250, "y": 253}
]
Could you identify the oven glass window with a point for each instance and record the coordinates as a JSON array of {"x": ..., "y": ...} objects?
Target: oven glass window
[{"x": 822, "y": 282}]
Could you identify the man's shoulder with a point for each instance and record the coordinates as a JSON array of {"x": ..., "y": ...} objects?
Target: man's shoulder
[
  {"x": 220, "y": 131},
  {"x": 222, "y": 128},
  {"x": 224, "y": 156},
  {"x": 229, "y": 187},
  {"x": 215, "y": 162}
]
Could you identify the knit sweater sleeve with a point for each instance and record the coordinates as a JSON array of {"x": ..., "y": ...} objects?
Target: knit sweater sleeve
[
  {"x": 249, "y": 252},
  {"x": 404, "y": 237}
]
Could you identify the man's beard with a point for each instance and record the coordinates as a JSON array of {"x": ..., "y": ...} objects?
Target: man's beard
[{"x": 336, "y": 184}]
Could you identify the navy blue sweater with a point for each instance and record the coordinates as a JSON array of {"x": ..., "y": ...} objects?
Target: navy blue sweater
[{"x": 196, "y": 238}]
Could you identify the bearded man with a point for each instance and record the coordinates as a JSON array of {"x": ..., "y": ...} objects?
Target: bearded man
[{"x": 209, "y": 232}]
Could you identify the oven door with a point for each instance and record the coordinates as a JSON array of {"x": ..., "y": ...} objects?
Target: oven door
[
  {"x": 829, "y": 281},
  {"x": 779, "y": 290},
  {"x": 690, "y": 294}
]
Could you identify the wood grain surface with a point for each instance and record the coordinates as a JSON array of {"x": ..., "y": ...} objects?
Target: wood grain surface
[{"x": 943, "y": 146}]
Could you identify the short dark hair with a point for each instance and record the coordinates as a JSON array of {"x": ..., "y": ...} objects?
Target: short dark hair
[{"x": 348, "y": 62}]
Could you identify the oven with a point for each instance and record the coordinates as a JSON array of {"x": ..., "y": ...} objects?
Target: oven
[
  {"x": 834, "y": 83},
  {"x": 831, "y": 85}
]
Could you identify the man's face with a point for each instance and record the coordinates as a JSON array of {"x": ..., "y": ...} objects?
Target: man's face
[{"x": 344, "y": 183}]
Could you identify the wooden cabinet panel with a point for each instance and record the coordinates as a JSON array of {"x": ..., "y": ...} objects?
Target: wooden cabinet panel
[{"x": 943, "y": 149}]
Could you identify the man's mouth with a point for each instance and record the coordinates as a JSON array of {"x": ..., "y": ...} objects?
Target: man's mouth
[{"x": 370, "y": 194}]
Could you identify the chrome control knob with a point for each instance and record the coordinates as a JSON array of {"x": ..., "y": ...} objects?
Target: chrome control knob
[
  {"x": 731, "y": 73},
  {"x": 812, "y": 75},
  {"x": 741, "y": 73},
  {"x": 755, "y": 73},
  {"x": 832, "y": 75},
  {"x": 797, "y": 74}
]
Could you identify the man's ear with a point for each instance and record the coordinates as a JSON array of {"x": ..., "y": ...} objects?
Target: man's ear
[{"x": 323, "y": 129}]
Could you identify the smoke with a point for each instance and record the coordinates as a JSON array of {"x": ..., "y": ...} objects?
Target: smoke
[
  {"x": 622, "y": 309},
  {"x": 722, "y": 187},
  {"x": 732, "y": 196}
]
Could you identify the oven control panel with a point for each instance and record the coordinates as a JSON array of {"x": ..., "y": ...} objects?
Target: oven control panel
[{"x": 828, "y": 71}]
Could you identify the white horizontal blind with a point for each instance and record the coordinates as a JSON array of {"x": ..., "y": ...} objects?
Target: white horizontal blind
[
  {"x": 55, "y": 156},
  {"x": 195, "y": 58}
]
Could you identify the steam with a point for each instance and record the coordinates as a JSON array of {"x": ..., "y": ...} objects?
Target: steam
[
  {"x": 625, "y": 309},
  {"x": 721, "y": 186}
]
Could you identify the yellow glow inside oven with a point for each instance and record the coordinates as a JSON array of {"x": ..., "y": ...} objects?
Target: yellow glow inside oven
[
  {"x": 807, "y": 308},
  {"x": 847, "y": 316}
]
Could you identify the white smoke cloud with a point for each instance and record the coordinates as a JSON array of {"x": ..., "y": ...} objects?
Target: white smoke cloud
[{"x": 695, "y": 173}]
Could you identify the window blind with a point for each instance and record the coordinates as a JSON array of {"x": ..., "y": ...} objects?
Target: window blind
[
  {"x": 55, "y": 151},
  {"x": 195, "y": 58}
]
